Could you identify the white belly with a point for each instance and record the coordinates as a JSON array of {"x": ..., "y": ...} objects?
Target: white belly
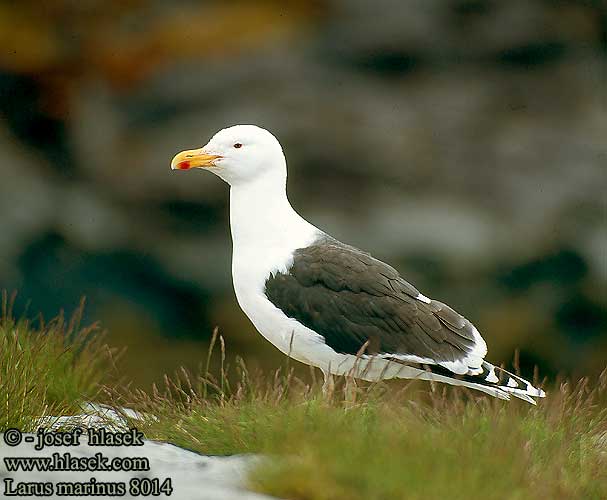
[{"x": 287, "y": 334}]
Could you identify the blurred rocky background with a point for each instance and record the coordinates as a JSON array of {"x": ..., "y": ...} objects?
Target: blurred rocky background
[{"x": 464, "y": 141}]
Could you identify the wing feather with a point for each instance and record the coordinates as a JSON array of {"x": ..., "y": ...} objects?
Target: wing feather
[{"x": 351, "y": 298}]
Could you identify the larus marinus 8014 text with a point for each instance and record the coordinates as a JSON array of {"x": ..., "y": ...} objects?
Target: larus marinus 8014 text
[{"x": 328, "y": 304}]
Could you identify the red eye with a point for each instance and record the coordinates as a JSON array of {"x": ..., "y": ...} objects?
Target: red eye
[{"x": 237, "y": 145}]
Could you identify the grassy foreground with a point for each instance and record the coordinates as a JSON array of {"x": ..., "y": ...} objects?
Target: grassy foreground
[
  {"x": 389, "y": 440},
  {"x": 383, "y": 441},
  {"x": 47, "y": 368}
]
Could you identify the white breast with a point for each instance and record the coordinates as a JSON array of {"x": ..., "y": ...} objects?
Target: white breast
[
  {"x": 265, "y": 235},
  {"x": 250, "y": 269}
]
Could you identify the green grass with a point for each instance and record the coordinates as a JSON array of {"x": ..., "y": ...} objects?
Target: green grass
[
  {"x": 387, "y": 446},
  {"x": 47, "y": 369},
  {"x": 388, "y": 440}
]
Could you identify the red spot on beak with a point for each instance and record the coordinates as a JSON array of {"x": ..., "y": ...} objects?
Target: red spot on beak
[{"x": 183, "y": 165}]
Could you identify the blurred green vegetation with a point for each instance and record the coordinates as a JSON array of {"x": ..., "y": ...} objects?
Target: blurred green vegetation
[{"x": 462, "y": 141}]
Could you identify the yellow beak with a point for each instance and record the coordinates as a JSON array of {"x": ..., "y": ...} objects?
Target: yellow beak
[{"x": 193, "y": 158}]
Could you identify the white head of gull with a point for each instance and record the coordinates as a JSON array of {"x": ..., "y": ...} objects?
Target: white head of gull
[{"x": 328, "y": 304}]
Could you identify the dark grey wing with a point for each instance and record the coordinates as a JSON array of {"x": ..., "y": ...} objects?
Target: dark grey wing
[{"x": 351, "y": 298}]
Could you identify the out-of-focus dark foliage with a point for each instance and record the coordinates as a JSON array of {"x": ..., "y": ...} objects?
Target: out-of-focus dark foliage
[{"x": 463, "y": 141}]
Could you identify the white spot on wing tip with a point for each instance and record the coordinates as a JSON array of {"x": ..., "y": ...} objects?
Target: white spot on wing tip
[
  {"x": 422, "y": 298},
  {"x": 512, "y": 382},
  {"x": 539, "y": 393},
  {"x": 492, "y": 377}
]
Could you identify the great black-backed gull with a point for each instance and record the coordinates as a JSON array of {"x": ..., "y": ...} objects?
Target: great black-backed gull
[{"x": 328, "y": 304}]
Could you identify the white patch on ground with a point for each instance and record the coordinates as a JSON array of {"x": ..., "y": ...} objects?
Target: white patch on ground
[
  {"x": 94, "y": 415},
  {"x": 194, "y": 476}
]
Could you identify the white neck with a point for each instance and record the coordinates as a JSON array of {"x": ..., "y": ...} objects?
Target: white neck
[{"x": 262, "y": 218}]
